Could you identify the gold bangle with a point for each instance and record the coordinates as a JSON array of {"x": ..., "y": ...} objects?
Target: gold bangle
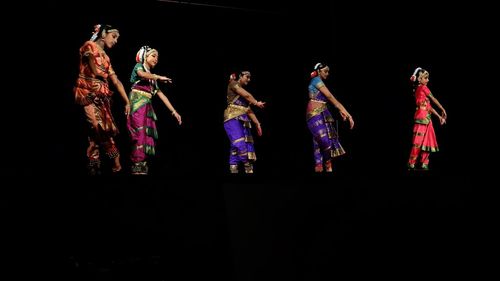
[{"x": 173, "y": 112}]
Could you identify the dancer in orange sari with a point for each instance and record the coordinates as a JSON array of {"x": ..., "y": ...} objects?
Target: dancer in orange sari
[{"x": 93, "y": 94}]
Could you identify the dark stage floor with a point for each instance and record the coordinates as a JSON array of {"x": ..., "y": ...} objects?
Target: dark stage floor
[{"x": 247, "y": 228}]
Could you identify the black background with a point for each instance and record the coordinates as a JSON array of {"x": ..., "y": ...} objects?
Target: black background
[
  {"x": 369, "y": 53},
  {"x": 192, "y": 219}
]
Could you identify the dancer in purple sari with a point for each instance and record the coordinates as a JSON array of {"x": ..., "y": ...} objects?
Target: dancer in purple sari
[
  {"x": 320, "y": 120},
  {"x": 142, "y": 121},
  {"x": 237, "y": 122}
]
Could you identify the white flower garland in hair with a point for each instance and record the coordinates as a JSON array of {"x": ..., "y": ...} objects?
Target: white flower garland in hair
[
  {"x": 414, "y": 75},
  {"x": 97, "y": 27},
  {"x": 139, "y": 57}
]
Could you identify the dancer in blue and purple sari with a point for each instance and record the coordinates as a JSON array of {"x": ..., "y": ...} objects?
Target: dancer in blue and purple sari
[
  {"x": 142, "y": 121},
  {"x": 238, "y": 117},
  {"x": 320, "y": 121}
]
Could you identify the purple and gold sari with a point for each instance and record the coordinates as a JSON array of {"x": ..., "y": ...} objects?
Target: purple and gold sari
[
  {"x": 238, "y": 129},
  {"x": 320, "y": 122}
]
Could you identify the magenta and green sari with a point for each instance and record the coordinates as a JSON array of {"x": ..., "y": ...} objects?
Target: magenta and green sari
[{"x": 141, "y": 123}]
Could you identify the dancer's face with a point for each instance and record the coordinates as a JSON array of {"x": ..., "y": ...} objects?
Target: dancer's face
[
  {"x": 245, "y": 79},
  {"x": 424, "y": 79},
  {"x": 111, "y": 39},
  {"x": 152, "y": 59},
  {"x": 324, "y": 72}
]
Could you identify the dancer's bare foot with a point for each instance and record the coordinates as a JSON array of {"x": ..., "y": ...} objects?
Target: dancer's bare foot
[
  {"x": 318, "y": 168},
  {"x": 117, "y": 166},
  {"x": 328, "y": 165}
]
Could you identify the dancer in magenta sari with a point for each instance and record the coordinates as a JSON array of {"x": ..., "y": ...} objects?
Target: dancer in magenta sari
[
  {"x": 92, "y": 92},
  {"x": 237, "y": 123},
  {"x": 320, "y": 120},
  {"x": 424, "y": 139},
  {"x": 142, "y": 121}
]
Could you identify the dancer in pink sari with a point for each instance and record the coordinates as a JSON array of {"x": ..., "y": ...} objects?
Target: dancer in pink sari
[
  {"x": 424, "y": 139},
  {"x": 142, "y": 121}
]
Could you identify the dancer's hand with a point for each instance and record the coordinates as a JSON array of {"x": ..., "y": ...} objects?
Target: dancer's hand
[
  {"x": 259, "y": 129},
  {"x": 347, "y": 117},
  {"x": 127, "y": 110},
  {"x": 351, "y": 122},
  {"x": 164, "y": 79},
  {"x": 177, "y": 116},
  {"x": 260, "y": 104},
  {"x": 443, "y": 114}
]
